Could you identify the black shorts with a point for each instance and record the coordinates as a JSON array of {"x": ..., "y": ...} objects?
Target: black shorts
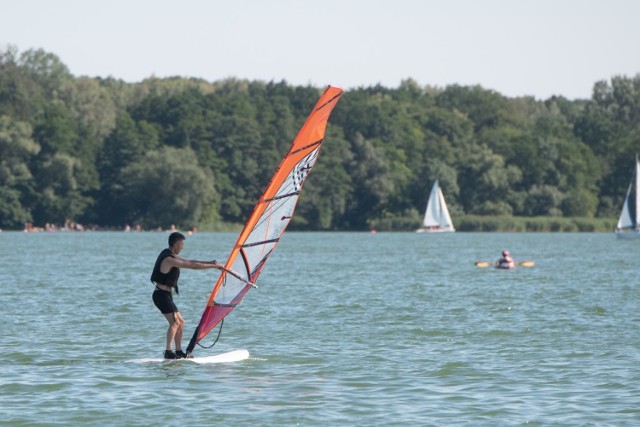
[{"x": 164, "y": 301}]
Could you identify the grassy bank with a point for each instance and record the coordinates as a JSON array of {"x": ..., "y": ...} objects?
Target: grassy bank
[{"x": 507, "y": 223}]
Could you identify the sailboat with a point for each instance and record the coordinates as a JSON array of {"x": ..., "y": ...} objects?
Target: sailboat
[
  {"x": 627, "y": 227},
  {"x": 436, "y": 217}
]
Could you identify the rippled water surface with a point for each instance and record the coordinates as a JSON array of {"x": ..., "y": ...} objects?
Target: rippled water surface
[{"x": 345, "y": 329}]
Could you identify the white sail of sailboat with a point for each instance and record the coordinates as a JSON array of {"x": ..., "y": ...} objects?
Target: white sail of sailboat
[
  {"x": 436, "y": 217},
  {"x": 630, "y": 215}
]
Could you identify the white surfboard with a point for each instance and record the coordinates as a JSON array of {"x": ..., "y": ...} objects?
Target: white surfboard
[{"x": 231, "y": 356}]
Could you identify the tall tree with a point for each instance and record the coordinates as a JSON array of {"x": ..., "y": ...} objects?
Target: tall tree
[
  {"x": 168, "y": 187},
  {"x": 17, "y": 149}
]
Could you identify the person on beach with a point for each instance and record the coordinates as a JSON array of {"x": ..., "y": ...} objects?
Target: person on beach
[{"x": 166, "y": 272}]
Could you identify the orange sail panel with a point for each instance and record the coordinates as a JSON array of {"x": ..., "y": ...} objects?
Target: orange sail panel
[{"x": 269, "y": 218}]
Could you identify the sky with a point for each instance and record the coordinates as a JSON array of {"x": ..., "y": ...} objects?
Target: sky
[{"x": 537, "y": 48}]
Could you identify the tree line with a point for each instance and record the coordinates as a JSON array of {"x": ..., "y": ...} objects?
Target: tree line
[{"x": 189, "y": 152}]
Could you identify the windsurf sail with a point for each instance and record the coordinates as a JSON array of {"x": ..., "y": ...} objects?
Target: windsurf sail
[{"x": 269, "y": 219}]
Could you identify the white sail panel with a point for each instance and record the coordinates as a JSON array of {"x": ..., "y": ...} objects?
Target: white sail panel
[
  {"x": 625, "y": 220},
  {"x": 636, "y": 208},
  {"x": 627, "y": 227}
]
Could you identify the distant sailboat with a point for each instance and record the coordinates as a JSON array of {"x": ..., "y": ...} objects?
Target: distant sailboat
[
  {"x": 436, "y": 217},
  {"x": 630, "y": 216}
]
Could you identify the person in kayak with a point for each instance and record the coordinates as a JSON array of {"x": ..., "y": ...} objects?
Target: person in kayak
[{"x": 506, "y": 261}]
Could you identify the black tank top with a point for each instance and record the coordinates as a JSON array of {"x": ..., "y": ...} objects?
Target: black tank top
[{"x": 168, "y": 279}]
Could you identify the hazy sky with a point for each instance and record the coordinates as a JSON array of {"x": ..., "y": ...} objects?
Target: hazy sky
[{"x": 516, "y": 47}]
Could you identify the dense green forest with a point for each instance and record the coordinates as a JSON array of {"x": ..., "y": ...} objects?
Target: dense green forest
[{"x": 103, "y": 152}]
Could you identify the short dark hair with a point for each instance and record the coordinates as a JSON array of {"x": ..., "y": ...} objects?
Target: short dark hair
[{"x": 175, "y": 237}]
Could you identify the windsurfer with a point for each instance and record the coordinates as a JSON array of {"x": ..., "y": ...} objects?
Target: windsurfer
[
  {"x": 506, "y": 261},
  {"x": 166, "y": 272}
]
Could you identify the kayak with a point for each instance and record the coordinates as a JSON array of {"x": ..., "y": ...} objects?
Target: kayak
[
  {"x": 483, "y": 264},
  {"x": 506, "y": 266}
]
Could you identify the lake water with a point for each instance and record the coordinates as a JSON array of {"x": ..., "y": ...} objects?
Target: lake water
[{"x": 346, "y": 329}]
